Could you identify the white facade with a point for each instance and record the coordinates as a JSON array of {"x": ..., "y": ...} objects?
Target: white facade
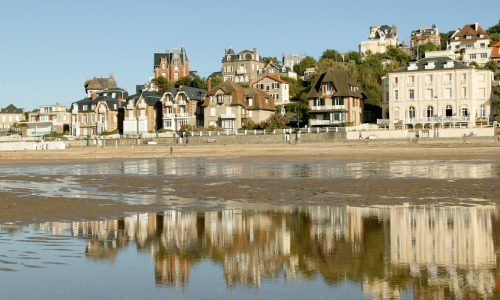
[
  {"x": 379, "y": 39},
  {"x": 277, "y": 88},
  {"x": 441, "y": 91}
]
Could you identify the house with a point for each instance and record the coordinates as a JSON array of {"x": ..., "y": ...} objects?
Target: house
[
  {"x": 468, "y": 44},
  {"x": 183, "y": 106},
  {"x": 229, "y": 106},
  {"x": 436, "y": 91},
  {"x": 9, "y": 116},
  {"x": 48, "y": 119},
  {"x": 380, "y": 39},
  {"x": 241, "y": 67},
  {"x": 277, "y": 88},
  {"x": 335, "y": 99},
  {"x": 99, "y": 84},
  {"x": 172, "y": 65},
  {"x": 97, "y": 114},
  {"x": 495, "y": 53},
  {"x": 291, "y": 60},
  {"x": 276, "y": 70},
  {"x": 142, "y": 113},
  {"x": 425, "y": 35}
]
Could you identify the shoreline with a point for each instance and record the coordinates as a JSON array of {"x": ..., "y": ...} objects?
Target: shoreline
[{"x": 199, "y": 193}]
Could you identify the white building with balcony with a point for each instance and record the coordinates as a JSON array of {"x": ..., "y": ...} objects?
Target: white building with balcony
[
  {"x": 48, "y": 119},
  {"x": 183, "y": 107},
  {"x": 435, "y": 91},
  {"x": 142, "y": 113},
  {"x": 335, "y": 99},
  {"x": 468, "y": 44}
]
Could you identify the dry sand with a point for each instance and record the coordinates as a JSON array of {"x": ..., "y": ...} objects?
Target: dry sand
[{"x": 210, "y": 193}]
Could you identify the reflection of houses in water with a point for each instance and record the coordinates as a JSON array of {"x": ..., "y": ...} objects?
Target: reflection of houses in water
[
  {"x": 456, "y": 241},
  {"x": 448, "y": 249},
  {"x": 444, "y": 170}
]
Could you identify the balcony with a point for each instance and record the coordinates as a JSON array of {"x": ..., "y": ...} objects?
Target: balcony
[
  {"x": 182, "y": 115},
  {"x": 315, "y": 122},
  {"x": 434, "y": 120},
  {"x": 328, "y": 107},
  {"x": 228, "y": 116},
  {"x": 181, "y": 102},
  {"x": 241, "y": 71}
]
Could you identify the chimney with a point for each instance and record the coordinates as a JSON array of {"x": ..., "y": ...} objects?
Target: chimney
[
  {"x": 255, "y": 53},
  {"x": 209, "y": 84},
  {"x": 476, "y": 26},
  {"x": 93, "y": 95}
]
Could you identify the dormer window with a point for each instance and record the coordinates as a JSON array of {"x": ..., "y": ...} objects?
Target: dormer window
[
  {"x": 228, "y": 57},
  {"x": 481, "y": 36},
  {"x": 430, "y": 66},
  {"x": 250, "y": 101},
  {"x": 449, "y": 64},
  {"x": 468, "y": 37},
  {"x": 412, "y": 66},
  {"x": 220, "y": 99},
  {"x": 456, "y": 38}
]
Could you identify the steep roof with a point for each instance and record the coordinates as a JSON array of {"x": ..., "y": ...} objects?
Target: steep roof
[
  {"x": 169, "y": 56},
  {"x": 473, "y": 31},
  {"x": 11, "y": 109},
  {"x": 440, "y": 63},
  {"x": 229, "y": 55},
  {"x": 151, "y": 98},
  {"x": 85, "y": 105},
  {"x": 192, "y": 93},
  {"x": 274, "y": 78},
  {"x": 261, "y": 99},
  {"x": 343, "y": 84},
  {"x": 100, "y": 83}
]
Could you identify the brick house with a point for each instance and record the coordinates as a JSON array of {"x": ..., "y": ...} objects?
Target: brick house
[{"x": 172, "y": 65}]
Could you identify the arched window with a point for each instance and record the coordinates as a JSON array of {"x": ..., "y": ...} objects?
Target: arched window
[
  {"x": 449, "y": 111},
  {"x": 482, "y": 111},
  {"x": 430, "y": 111},
  {"x": 411, "y": 112},
  {"x": 464, "y": 112}
]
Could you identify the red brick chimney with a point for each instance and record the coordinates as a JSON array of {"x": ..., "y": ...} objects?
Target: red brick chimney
[
  {"x": 93, "y": 96},
  {"x": 209, "y": 84}
]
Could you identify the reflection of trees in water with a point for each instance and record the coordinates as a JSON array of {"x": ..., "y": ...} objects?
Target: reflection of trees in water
[{"x": 337, "y": 243}]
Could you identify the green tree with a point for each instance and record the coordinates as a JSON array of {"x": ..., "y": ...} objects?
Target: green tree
[
  {"x": 353, "y": 57},
  {"x": 333, "y": 55},
  {"x": 215, "y": 81},
  {"x": 275, "y": 121},
  {"x": 189, "y": 81},
  {"x": 299, "y": 109},
  {"x": 444, "y": 40},
  {"x": 296, "y": 88},
  {"x": 329, "y": 64},
  {"x": 272, "y": 59},
  {"x": 421, "y": 49},
  {"x": 307, "y": 62},
  {"x": 492, "y": 66},
  {"x": 162, "y": 84},
  {"x": 397, "y": 55}
]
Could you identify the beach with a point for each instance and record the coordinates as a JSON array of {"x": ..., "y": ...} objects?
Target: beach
[{"x": 23, "y": 205}]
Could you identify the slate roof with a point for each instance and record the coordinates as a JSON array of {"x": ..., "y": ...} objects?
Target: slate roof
[
  {"x": 169, "y": 55},
  {"x": 342, "y": 84},
  {"x": 439, "y": 63},
  {"x": 11, "y": 109},
  {"x": 247, "y": 55},
  {"x": 103, "y": 96},
  {"x": 151, "y": 98},
  {"x": 192, "y": 93},
  {"x": 274, "y": 78}
]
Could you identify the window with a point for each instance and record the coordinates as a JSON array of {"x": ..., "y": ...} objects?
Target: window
[
  {"x": 482, "y": 45},
  {"x": 472, "y": 56},
  {"x": 212, "y": 112},
  {"x": 449, "y": 111},
  {"x": 396, "y": 80},
  {"x": 428, "y": 79},
  {"x": 220, "y": 99},
  {"x": 169, "y": 123},
  {"x": 250, "y": 101},
  {"x": 484, "y": 55},
  {"x": 429, "y": 94},
  {"x": 464, "y": 92},
  {"x": 482, "y": 111},
  {"x": 464, "y": 78},
  {"x": 464, "y": 112},
  {"x": 396, "y": 94},
  {"x": 447, "y": 78},
  {"x": 85, "y": 107},
  {"x": 93, "y": 118},
  {"x": 411, "y": 94},
  {"x": 338, "y": 101},
  {"x": 411, "y": 80},
  {"x": 430, "y": 111},
  {"x": 447, "y": 93},
  {"x": 411, "y": 112}
]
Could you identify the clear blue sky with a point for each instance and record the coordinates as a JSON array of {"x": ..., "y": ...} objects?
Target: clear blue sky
[{"x": 49, "y": 48}]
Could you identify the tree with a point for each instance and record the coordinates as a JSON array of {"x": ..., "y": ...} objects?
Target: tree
[
  {"x": 421, "y": 49},
  {"x": 353, "y": 56},
  {"x": 189, "y": 81},
  {"x": 333, "y": 55},
  {"x": 162, "y": 84},
  {"x": 275, "y": 121},
  {"x": 215, "y": 81},
  {"x": 444, "y": 40},
  {"x": 397, "y": 55},
  {"x": 272, "y": 59},
  {"x": 494, "y": 33},
  {"x": 296, "y": 88},
  {"x": 301, "y": 67},
  {"x": 492, "y": 66},
  {"x": 298, "y": 109}
]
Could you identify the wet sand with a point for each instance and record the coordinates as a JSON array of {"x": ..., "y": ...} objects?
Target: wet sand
[{"x": 217, "y": 193}]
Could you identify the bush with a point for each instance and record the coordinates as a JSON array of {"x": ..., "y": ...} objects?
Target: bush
[{"x": 116, "y": 131}]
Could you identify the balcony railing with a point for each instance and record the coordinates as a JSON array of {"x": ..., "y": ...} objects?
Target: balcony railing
[
  {"x": 241, "y": 71},
  {"x": 228, "y": 116},
  {"x": 438, "y": 120},
  {"x": 315, "y": 122},
  {"x": 328, "y": 107},
  {"x": 383, "y": 122}
]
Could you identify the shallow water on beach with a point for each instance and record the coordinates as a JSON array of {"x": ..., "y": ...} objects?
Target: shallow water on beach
[
  {"x": 316, "y": 252},
  {"x": 88, "y": 180}
]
